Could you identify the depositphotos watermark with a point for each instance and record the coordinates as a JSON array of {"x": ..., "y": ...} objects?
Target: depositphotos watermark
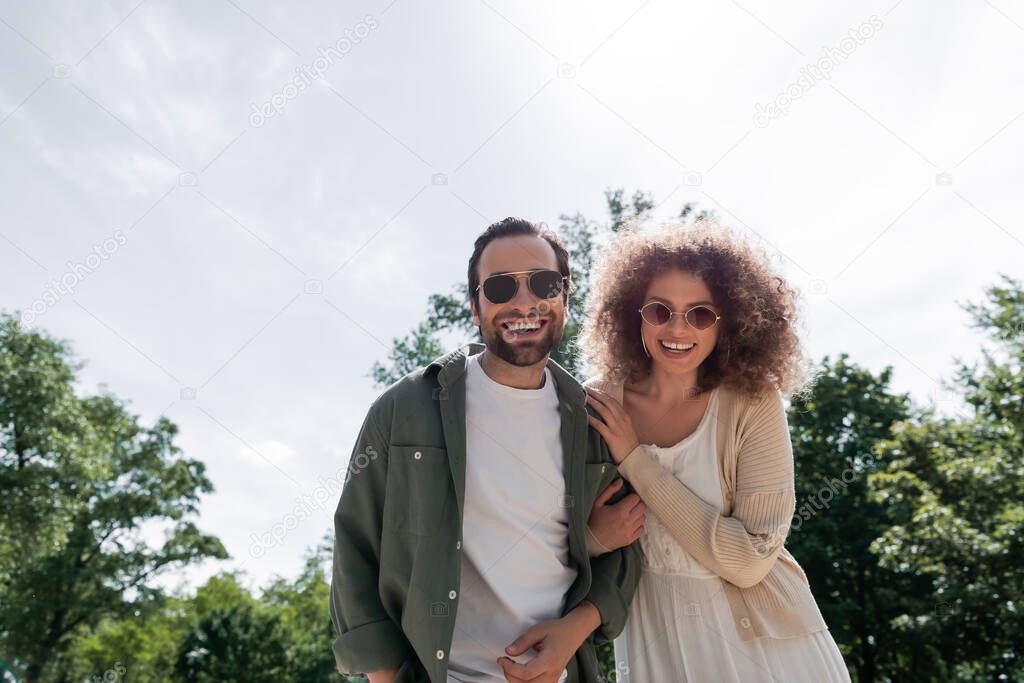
[
  {"x": 324, "y": 494},
  {"x": 307, "y": 73},
  {"x": 65, "y": 285},
  {"x": 111, "y": 675},
  {"x": 814, "y": 72},
  {"x": 822, "y": 499}
]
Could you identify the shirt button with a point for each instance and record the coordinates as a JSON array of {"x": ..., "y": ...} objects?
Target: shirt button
[
  {"x": 744, "y": 622},
  {"x": 440, "y": 654},
  {"x": 602, "y": 468},
  {"x": 417, "y": 455},
  {"x": 458, "y": 545},
  {"x": 451, "y": 595}
]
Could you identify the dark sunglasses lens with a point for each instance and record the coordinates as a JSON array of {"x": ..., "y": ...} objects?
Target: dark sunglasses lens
[
  {"x": 500, "y": 289},
  {"x": 657, "y": 313},
  {"x": 546, "y": 284},
  {"x": 701, "y": 317}
]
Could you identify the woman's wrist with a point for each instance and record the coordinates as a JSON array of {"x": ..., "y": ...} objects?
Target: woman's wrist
[
  {"x": 624, "y": 453},
  {"x": 629, "y": 453},
  {"x": 595, "y": 543}
]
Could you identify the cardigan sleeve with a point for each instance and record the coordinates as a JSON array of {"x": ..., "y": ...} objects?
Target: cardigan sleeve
[{"x": 740, "y": 548}]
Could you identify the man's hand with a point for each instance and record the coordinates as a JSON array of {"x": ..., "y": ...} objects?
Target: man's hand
[
  {"x": 618, "y": 525},
  {"x": 556, "y": 641},
  {"x": 382, "y": 676}
]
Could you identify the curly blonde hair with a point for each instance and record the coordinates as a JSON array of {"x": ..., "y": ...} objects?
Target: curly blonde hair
[{"x": 757, "y": 348}]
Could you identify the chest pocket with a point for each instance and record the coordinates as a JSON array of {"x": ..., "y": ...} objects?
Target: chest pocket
[{"x": 416, "y": 497}]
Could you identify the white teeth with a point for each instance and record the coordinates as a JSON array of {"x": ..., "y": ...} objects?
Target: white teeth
[
  {"x": 522, "y": 326},
  {"x": 677, "y": 347}
]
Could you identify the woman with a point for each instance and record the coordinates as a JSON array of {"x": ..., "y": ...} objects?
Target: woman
[{"x": 693, "y": 342}]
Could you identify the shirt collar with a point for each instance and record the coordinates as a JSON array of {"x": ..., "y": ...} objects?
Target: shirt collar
[{"x": 452, "y": 367}]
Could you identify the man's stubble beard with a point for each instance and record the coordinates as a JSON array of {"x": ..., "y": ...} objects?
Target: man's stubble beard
[{"x": 523, "y": 355}]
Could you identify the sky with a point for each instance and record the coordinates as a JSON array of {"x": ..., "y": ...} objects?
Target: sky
[{"x": 230, "y": 208}]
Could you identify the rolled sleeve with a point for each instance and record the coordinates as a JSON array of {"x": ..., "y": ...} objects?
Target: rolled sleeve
[
  {"x": 368, "y": 638},
  {"x": 614, "y": 579},
  {"x": 375, "y": 646}
]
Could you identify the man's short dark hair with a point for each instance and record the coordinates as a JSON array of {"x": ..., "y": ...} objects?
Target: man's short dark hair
[{"x": 509, "y": 227}]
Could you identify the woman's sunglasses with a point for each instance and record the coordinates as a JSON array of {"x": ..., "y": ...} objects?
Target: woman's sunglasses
[
  {"x": 501, "y": 288},
  {"x": 699, "y": 317}
]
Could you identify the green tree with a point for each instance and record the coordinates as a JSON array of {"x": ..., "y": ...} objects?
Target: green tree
[
  {"x": 149, "y": 642},
  {"x": 234, "y": 643},
  {"x": 953, "y": 491},
  {"x": 301, "y": 605},
  {"x": 223, "y": 632},
  {"x": 79, "y": 477},
  {"x": 143, "y": 644},
  {"x": 835, "y": 428}
]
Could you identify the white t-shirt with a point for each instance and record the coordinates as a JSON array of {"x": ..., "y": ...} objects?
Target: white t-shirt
[{"x": 515, "y": 534}]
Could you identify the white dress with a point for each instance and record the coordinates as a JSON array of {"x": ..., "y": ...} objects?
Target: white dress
[{"x": 680, "y": 627}]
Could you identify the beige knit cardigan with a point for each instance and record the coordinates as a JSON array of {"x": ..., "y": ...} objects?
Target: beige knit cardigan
[{"x": 767, "y": 590}]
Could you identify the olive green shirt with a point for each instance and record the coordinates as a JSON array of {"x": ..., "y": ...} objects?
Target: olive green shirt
[{"x": 399, "y": 521}]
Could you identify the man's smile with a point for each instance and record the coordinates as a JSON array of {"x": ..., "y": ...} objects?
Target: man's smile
[{"x": 523, "y": 328}]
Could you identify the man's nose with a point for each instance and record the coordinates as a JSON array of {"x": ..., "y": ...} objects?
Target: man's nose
[{"x": 524, "y": 297}]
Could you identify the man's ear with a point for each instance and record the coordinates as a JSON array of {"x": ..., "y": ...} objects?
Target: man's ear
[{"x": 472, "y": 308}]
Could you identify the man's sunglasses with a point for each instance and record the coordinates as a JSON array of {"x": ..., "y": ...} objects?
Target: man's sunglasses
[
  {"x": 501, "y": 288},
  {"x": 699, "y": 317}
]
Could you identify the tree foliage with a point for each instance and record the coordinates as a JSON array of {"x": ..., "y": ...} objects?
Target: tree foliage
[{"x": 79, "y": 480}]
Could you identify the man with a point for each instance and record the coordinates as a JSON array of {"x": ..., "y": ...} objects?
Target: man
[{"x": 461, "y": 540}]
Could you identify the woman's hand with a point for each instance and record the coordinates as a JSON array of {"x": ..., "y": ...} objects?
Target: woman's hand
[
  {"x": 616, "y": 428},
  {"x": 619, "y": 524}
]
